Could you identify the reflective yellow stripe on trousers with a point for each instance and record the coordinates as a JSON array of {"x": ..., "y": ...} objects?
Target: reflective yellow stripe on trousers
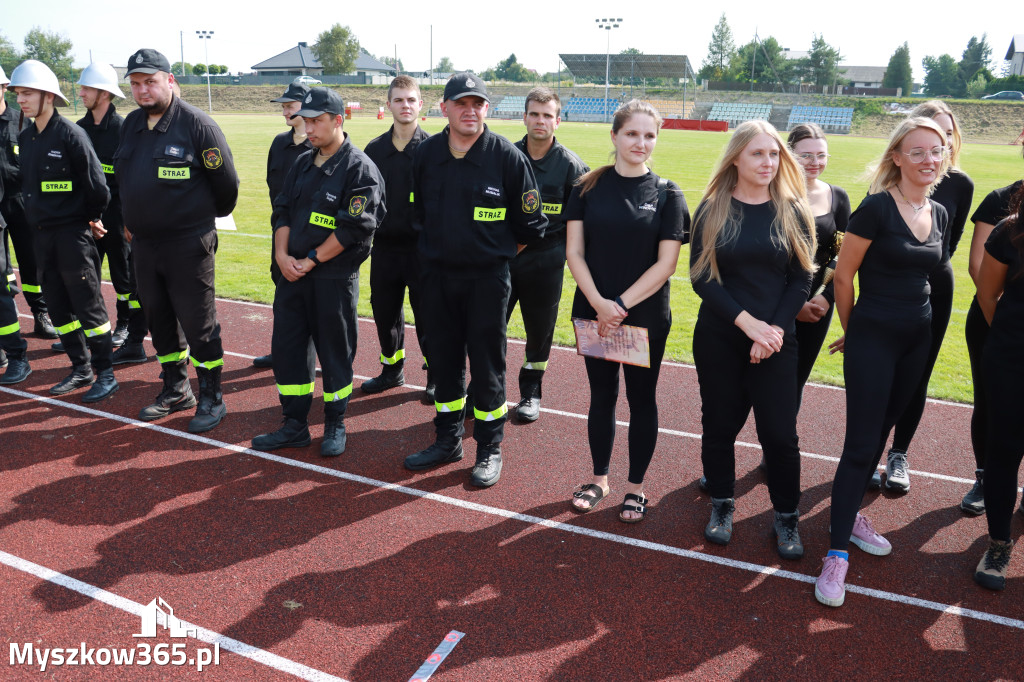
[
  {"x": 453, "y": 406},
  {"x": 338, "y": 395},
  {"x": 393, "y": 360},
  {"x": 492, "y": 415},
  {"x": 295, "y": 389},
  {"x": 173, "y": 357}
]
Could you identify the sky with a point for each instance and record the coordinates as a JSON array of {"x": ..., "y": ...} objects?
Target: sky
[{"x": 246, "y": 33}]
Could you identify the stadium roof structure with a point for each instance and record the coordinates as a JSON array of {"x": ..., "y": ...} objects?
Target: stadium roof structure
[{"x": 628, "y": 65}]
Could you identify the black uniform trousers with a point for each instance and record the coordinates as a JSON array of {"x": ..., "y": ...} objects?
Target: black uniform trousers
[
  {"x": 22, "y": 240},
  {"x": 976, "y": 331},
  {"x": 883, "y": 363},
  {"x": 810, "y": 337},
  {"x": 323, "y": 310},
  {"x": 537, "y": 274},
  {"x": 466, "y": 315},
  {"x": 1003, "y": 366},
  {"x": 117, "y": 251},
  {"x": 71, "y": 285},
  {"x": 176, "y": 288},
  {"x": 730, "y": 385},
  {"x": 941, "y": 298},
  {"x": 391, "y": 273},
  {"x": 11, "y": 340}
]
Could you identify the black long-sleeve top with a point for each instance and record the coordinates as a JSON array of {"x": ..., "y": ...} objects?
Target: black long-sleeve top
[
  {"x": 105, "y": 137},
  {"x": 758, "y": 275},
  {"x": 556, "y": 175},
  {"x": 396, "y": 233},
  {"x": 11, "y": 125},
  {"x": 955, "y": 192},
  {"x": 282, "y": 155}
]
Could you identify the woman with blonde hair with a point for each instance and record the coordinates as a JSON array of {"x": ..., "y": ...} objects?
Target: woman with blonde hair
[
  {"x": 751, "y": 261},
  {"x": 893, "y": 243},
  {"x": 624, "y": 227}
]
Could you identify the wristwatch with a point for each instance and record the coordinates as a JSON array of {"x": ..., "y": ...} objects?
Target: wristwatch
[{"x": 312, "y": 256}]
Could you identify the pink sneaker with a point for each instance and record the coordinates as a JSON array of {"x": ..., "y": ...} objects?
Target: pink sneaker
[
  {"x": 830, "y": 587},
  {"x": 865, "y": 537}
]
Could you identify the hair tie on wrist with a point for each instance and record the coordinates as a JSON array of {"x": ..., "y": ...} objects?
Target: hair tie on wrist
[{"x": 618, "y": 299}]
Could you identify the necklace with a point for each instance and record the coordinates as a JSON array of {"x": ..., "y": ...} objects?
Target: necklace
[
  {"x": 456, "y": 151},
  {"x": 917, "y": 209}
]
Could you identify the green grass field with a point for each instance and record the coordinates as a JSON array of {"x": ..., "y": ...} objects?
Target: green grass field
[{"x": 683, "y": 156}]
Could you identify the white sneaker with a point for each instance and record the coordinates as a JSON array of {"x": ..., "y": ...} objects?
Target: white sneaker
[{"x": 896, "y": 475}]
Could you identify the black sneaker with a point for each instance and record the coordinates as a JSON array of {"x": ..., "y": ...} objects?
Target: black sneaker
[
  {"x": 292, "y": 434},
  {"x": 719, "y": 528},
  {"x": 974, "y": 501},
  {"x": 334, "y": 440},
  {"x": 80, "y": 377},
  {"x": 17, "y": 371},
  {"x": 992, "y": 569},
  {"x": 444, "y": 450},
  {"x": 44, "y": 327},
  {"x": 788, "y": 535},
  {"x": 876, "y": 481},
  {"x": 487, "y": 469},
  {"x": 129, "y": 353},
  {"x": 388, "y": 378},
  {"x": 57, "y": 347},
  {"x": 528, "y": 410},
  {"x": 170, "y": 400},
  {"x": 120, "y": 334}
]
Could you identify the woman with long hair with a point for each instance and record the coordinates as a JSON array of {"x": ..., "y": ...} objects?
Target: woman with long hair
[
  {"x": 893, "y": 243},
  {"x": 751, "y": 261},
  {"x": 954, "y": 192},
  {"x": 624, "y": 227}
]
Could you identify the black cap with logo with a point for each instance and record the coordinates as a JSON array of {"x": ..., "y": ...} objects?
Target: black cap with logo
[
  {"x": 321, "y": 101},
  {"x": 465, "y": 84},
  {"x": 296, "y": 92},
  {"x": 147, "y": 61}
]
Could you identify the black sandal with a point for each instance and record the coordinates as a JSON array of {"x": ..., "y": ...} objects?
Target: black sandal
[
  {"x": 639, "y": 508},
  {"x": 590, "y": 493}
]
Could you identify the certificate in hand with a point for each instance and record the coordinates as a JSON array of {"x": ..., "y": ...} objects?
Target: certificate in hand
[{"x": 626, "y": 344}]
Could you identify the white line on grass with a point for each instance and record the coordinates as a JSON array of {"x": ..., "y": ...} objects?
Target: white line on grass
[{"x": 534, "y": 520}]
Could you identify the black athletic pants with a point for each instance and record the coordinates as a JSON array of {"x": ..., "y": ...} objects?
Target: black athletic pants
[
  {"x": 884, "y": 360},
  {"x": 465, "y": 314},
  {"x": 322, "y": 310},
  {"x": 11, "y": 340},
  {"x": 941, "y": 298},
  {"x": 1003, "y": 367},
  {"x": 730, "y": 385},
  {"x": 176, "y": 288},
  {"x": 810, "y": 337},
  {"x": 22, "y": 240},
  {"x": 391, "y": 273},
  {"x": 641, "y": 395},
  {"x": 976, "y": 331},
  {"x": 537, "y": 277},
  {"x": 72, "y": 288}
]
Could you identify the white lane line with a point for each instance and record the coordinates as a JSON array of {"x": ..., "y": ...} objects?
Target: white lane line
[
  {"x": 534, "y": 520},
  {"x": 209, "y": 636}
]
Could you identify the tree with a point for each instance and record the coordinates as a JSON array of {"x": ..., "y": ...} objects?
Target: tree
[
  {"x": 976, "y": 88},
  {"x": 721, "y": 52},
  {"x": 942, "y": 76},
  {"x": 337, "y": 50},
  {"x": 769, "y": 61},
  {"x": 224, "y": 69},
  {"x": 899, "y": 73},
  {"x": 976, "y": 57},
  {"x": 199, "y": 69},
  {"x": 9, "y": 55},
  {"x": 445, "y": 66},
  {"x": 511, "y": 70},
  {"x": 631, "y": 50},
  {"x": 177, "y": 70},
  {"x": 821, "y": 66},
  {"x": 52, "y": 49}
]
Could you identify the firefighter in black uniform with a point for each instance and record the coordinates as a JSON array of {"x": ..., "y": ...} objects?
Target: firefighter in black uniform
[
  {"x": 12, "y": 122},
  {"x": 538, "y": 271},
  {"x": 102, "y": 123},
  {"x": 12, "y": 346},
  {"x": 65, "y": 195},
  {"x": 394, "y": 265},
  {"x": 476, "y": 204},
  {"x": 285, "y": 148},
  {"x": 332, "y": 201},
  {"x": 176, "y": 176}
]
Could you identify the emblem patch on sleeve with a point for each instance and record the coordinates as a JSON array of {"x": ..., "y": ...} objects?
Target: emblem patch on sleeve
[
  {"x": 531, "y": 201},
  {"x": 356, "y": 205},
  {"x": 212, "y": 158}
]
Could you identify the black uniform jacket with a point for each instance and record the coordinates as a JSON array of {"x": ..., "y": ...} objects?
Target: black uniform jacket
[
  {"x": 105, "y": 138},
  {"x": 11, "y": 125},
  {"x": 396, "y": 233},
  {"x": 282, "y": 155},
  {"x": 61, "y": 177},
  {"x": 343, "y": 197},
  {"x": 176, "y": 178},
  {"x": 556, "y": 174},
  {"x": 471, "y": 212}
]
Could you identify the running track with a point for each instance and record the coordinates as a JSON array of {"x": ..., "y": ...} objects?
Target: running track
[{"x": 355, "y": 569}]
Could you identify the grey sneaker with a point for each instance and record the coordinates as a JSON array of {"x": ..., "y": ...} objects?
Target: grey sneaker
[
  {"x": 788, "y": 535},
  {"x": 974, "y": 501},
  {"x": 719, "y": 528},
  {"x": 896, "y": 475},
  {"x": 992, "y": 568}
]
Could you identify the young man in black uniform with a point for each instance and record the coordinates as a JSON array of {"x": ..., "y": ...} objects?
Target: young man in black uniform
[
  {"x": 176, "y": 176},
  {"x": 65, "y": 195},
  {"x": 12, "y": 346},
  {"x": 476, "y": 203},
  {"x": 12, "y": 206},
  {"x": 331, "y": 203},
  {"x": 285, "y": 148},
  {"x": 394, "y": 265},
  {"x": 102, "y": 123},
  {"x": 538, "y": 271}
]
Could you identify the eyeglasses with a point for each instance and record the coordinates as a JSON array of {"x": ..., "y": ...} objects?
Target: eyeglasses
[
  {"x": 807, "y": 157},
  {"x": 918, "y": 155}
]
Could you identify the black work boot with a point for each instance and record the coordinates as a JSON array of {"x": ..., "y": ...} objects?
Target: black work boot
[
  {"x": 487, "y": 469},
  {"x": 263, "y": 361},
  {"x": 129, "y": 353},
  {"x": 80, "y": 377},
  {"x": 391, "y": 376},
  {"x": 175, "y": 396},
  {"x": 787, "y": 532},
  {"x": 211, "y": 404},
  {"x": 120, "y": 333},
  {"x": 719, "y": 528},
  {"x": 17, "y": 370},
  {"x": 292, "y": 434},
  {"x": 333, "y": 443},
  {"x": 974, "y": 501},
  {"x": 104, "y": 387},
  {"x": 444, "y": 450}
]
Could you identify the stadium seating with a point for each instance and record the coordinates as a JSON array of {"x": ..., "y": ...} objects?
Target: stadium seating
[
  {"x": 672, "y": 108},
  {"x": 737, "y": 112},
  {"x": 587, "y": 108},
  {"x": 510, "y": 106},
  {"x": 831, "y": 119}
]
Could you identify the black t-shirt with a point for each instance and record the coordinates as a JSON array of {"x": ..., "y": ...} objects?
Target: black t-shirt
[
  {"x": 1008, "y": 320},
  {"x": 996, "y": 205},
  {"x": 955, "y": 192},
  {"x": 758, "y": 275},
  {"x": 893, "y": 277},
  {"x": 827, "y": 226},
  {"x": 622, "y": 228}
]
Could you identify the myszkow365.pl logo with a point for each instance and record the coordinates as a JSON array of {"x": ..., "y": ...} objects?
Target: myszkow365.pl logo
[{"x": 157, "y": 613}]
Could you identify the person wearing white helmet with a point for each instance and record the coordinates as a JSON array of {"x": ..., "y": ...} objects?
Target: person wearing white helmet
[
  {"x": 12, "y": 122},
  {"x": 97, "y": 88},
  {"x": 65, "y": 196}
]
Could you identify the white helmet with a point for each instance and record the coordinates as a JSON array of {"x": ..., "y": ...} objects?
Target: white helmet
[
  {"x": 4, "y": 80},
  {"x": 36, "y": 75},
  {"x": 101, "y": 77}
]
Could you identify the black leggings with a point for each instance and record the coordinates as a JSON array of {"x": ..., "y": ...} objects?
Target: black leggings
[
  {"x": 641, "y": 394},
  {"x": 810, "y": 337},
  {"x": 883, "y": 363},
  {"x": 1003, "y": 368},
  {"x": 976, "y": 331},
  {"x": 941, "y": 299}
]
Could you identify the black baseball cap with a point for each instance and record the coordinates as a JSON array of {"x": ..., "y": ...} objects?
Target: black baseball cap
[
  {"x": 465, "y": 84},
  {"x": 321, "y": 101},
  {"x": 296, "y": 92},
  {"x": 147, "y": 61}
]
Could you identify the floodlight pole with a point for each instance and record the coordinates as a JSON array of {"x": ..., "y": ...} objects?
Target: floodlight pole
[
  {"x": 608, "y": 25},
  {"x": 207, "y": 35}
]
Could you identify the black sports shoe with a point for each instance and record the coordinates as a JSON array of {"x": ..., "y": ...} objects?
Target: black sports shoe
[
  {"x": 334, "y": 440},
  {"x": 292, "y": 434},
  {"x": 80, "y": 377},
  {"x": 528, "y": 409},
  {"x": 974, "y": 501},
  {"x": 57, "y": 347},
  {"x": 391, "y": 376},
  {"x": 487, "y": 469},
  {"x": 994, "y": 565},
  {"x": 444, "y": 450},
  {"x": 719, "y": 528},
  {"x": 120, "y": 334},
  {"x": 17, "y": 371},
  {"x": 788, "y": 535},
  {"x": 44, "y": 327}
]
